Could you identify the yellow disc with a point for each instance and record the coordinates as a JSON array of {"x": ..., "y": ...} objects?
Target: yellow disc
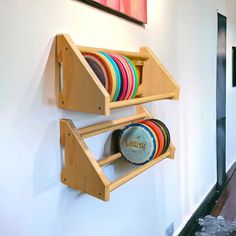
[{"x": 112, "y": 75}]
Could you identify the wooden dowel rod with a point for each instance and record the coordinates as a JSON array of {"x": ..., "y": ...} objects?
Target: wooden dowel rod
[
  {"x": 133, "y": 55},
  {"x": 109, "y": 125},
  {"x": 136, "y": 172},
  {"x": 109, "y": 159},
  {"x": 137, "y": 101}
]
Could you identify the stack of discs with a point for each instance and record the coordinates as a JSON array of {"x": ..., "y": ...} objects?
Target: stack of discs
[
  {"x": 117, "y": 73},
  {"x": 142, "y": 142}
]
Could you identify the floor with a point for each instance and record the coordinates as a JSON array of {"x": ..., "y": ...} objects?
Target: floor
[
  {"x": 226, "y": 204},
  {"x": 216, "y": 203}
]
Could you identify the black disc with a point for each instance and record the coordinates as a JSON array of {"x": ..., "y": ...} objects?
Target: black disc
[{"x": 165, "y": 132}]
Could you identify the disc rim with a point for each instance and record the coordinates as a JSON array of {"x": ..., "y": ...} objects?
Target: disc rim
[{"x": 147, "y": 129}]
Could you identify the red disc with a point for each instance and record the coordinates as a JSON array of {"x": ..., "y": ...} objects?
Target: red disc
[
  {"x": 165, "y": 132},
  {"x": 130, "y": 76},
  {"x": 123, "y": 75},
  {"x": 155, "y": 135},
  {"x": 159, "y": 134}
]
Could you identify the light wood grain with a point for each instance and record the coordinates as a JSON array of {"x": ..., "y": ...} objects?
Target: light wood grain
[
  {"x": 82, "y": 90},
  {"x": 81, "y": 171},
  {"x": 110, "y": 159},
  {"x": 109, "y": 125},
  {"x": 156, "y": 79},
  {"x": 137, "y": 101}
]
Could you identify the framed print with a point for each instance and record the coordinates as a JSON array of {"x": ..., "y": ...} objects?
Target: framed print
[{"x": 133, "y": 10}]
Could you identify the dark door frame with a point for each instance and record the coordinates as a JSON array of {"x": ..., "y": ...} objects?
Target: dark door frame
[{"x": 221, "y": 101}]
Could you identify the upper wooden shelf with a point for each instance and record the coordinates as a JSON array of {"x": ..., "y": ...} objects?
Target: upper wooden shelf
[
  {"x": 78, "y": 88},
  {"x": 82, "y": 171}
]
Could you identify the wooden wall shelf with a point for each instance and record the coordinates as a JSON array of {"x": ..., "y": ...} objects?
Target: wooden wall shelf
[
  {"x": 81, "y": 171},
  {"x": 78, "y": 88}
]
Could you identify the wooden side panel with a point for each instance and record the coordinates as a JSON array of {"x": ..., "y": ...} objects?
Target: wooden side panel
[
  {"x": 81, "y": 171},
  {"x": 156, "y": 79},
  {"x": 81, "y": 89}
]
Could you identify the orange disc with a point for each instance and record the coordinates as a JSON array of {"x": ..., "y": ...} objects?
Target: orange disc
[
  {"x": 159, "y": 134},
  {"x": 145, "y": 122}
]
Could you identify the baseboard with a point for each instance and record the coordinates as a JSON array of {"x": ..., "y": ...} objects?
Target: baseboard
[
  {"x": 205, "y": 207},
  {"x": 230, "y": 172}
]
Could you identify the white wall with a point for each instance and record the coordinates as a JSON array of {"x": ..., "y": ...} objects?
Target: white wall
[
  {"x": 32, "y": 200},
  {"x": 231, "y": 91}
]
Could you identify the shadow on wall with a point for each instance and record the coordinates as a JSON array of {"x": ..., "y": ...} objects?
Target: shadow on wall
[
  {"x": 47, "y": 163},
  {"x": 36, "y": 121},
  {"x": 49, "y": 76},
  {"x": 120, "y": 167}
]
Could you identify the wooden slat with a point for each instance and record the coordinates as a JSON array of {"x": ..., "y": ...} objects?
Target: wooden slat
[
  {"x": 137, "y": 101},
  {"x": 133, "y": 55},
  {"x": 109, "y": 159},
  {"x": 108, "y": 126},
  {"x": 137, "y": 171}
]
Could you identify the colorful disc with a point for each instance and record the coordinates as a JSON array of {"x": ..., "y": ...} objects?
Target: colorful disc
[
  {"x": 137, "y": 143},
  {"x": 123, "y": 76},
  {"x": 160, "y": 135},
  {"x": 117, "y": 72},
  {"x": 130, "y": 76},
  {"x": 112, "y": 74},
  {"x": 136, "y": 77},
  {"x": 161, "y": 138},
  {"x": 153, "y": 129},
  {"x": 98, "y": 69},
  {"x": 165, "y": 132},
  {"x": 109, "y": 69},
  {"x": 139, "y": 75},
  {"x": 121, "y": 83}
]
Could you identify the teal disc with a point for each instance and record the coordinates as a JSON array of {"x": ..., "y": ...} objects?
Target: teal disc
[{"x": 117, "y": 72}]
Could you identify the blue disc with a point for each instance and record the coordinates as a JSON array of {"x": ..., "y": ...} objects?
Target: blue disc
[
  {"x": 138, "y": 143},
  {"x": 118, "y": 76}
]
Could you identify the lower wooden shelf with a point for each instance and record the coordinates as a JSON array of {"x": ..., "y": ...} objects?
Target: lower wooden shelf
[{"x": 82, "y": 171}]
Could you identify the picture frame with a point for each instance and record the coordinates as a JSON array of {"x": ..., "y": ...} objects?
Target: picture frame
[{"x": 132, "y": 10}]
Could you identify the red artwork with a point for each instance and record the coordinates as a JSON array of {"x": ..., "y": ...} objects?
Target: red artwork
[{"x": 136, "y": 9}]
